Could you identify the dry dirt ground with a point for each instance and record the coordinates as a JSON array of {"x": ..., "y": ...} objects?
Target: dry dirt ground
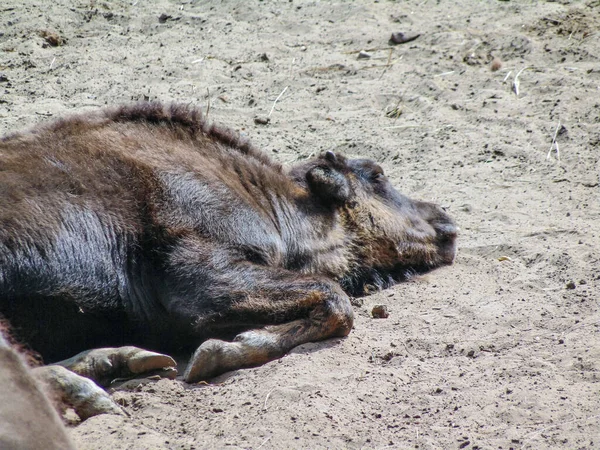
[{"x": 499, "y": 351}]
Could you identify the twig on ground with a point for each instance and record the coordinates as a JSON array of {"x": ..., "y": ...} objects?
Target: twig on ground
[
  {"x": 52, "y": 63},
  {"x": 554, "y": 144},
  {"x": 264, "y": 442},
  {"x": 373, "y": 49},
  {"x": 267, "y": 398},
  {"x": 387, "y": 66},
  {"x": 404, "y": 126},
  {"x": 444, "y": 74},
  {"x": 275, "y": 102}
]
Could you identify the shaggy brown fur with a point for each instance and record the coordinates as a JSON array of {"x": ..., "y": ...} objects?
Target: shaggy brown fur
[{"x": 146, "y": 225}]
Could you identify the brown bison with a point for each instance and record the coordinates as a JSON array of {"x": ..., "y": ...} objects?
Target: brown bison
[{"x": 144, "y": 225}]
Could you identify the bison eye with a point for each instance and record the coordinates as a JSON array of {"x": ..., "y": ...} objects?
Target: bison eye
[{"x": 378, "y": 177}]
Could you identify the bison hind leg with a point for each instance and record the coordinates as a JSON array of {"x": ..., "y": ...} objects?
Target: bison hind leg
[
  {"x": 105, "y": 365},
  {"x": 76, "y": 382},
  {"x": 80, "y": 393}
]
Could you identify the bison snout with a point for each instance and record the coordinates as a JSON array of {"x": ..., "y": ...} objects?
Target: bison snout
[{"x": 446, "y": 241}]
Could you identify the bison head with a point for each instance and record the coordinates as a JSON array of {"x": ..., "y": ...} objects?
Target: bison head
[{"x": 392, "y": 236}]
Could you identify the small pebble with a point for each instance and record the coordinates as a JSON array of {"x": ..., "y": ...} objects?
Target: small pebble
[
  {"x": 402, "y": 38},
  {"x": 357, "y": 301},
  {"x": 261, "y": 120},
  {"x": 496, "y": 64},
  {"x": 570, "y": 285},
  {"x": 52, "y": 38},
  {"x": 380, "y": 312},
  {"x": 164, "y": 17},
  {"x": 364, "y": 55}
]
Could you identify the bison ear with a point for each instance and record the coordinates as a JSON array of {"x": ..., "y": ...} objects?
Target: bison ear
[
  {"x": 330, "y": 157},
  {"x": 328, "y": 184}
]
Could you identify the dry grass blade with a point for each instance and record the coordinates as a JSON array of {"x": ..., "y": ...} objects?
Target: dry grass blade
[
  {"x": 208, "y": 99},
  {"x": 516, "y": 82},
  {"x": 276, "y": 100},
  {"x": 554, "y": 144},
  {"x": 387, "y": 66}
]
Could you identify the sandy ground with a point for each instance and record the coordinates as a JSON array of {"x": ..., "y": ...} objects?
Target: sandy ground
[{"x": 501, "y": 350}]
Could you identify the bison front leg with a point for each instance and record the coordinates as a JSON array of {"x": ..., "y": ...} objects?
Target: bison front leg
[{"x": 327, "y": 313}]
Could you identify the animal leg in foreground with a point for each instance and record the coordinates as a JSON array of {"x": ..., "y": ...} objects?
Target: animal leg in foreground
[{"x": 327, "y": 312}]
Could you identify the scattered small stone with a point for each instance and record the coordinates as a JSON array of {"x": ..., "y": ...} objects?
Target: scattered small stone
[
  {"x": 264, "y": 57},
  {"x": 464, "y": 444},
  {"x": 562, "y": 131},
  {"x": 570, "y": 285},
  {"x": 217, "y": 410},
  {"x": 388, "y": 356},
  {"x": 496, "y": 64},
  {"x": 3, "y": 78},
  {"x": 580, "y": 281},
  {"x": 363, "y": 55},
  {"x": 52, "y": 38},
  {"x": 471, "y": 354},
  {"x": 357, "y": 301},
  {"x": 561, "y": 341},
  {"x": 380, "y": 312},
  {"x": 402, "y": 38},
  {"x": 164, "y": 17},
  {"x": 261, "y": 120}
]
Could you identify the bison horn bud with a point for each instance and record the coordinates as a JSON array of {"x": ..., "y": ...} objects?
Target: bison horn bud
[
  {"x": 330, "y": 156},
  {"x": 328, "y": 185}
]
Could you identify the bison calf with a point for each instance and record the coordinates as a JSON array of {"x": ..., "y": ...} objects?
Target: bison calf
[{"x": 144, "y": 225}]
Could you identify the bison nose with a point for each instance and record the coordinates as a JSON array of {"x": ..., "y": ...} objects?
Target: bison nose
[
  {"x": 448, "y": 230},
  {"x": 446, "y": 238}
]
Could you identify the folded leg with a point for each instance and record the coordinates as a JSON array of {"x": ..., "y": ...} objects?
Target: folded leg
[{"x": 310, "y": 309}]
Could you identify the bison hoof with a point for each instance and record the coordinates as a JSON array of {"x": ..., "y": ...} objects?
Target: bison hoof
[
  {"x": 82, "y": 394},
  {"x": 104, "y": 365},
  {"x": 212, "y": 358}
]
